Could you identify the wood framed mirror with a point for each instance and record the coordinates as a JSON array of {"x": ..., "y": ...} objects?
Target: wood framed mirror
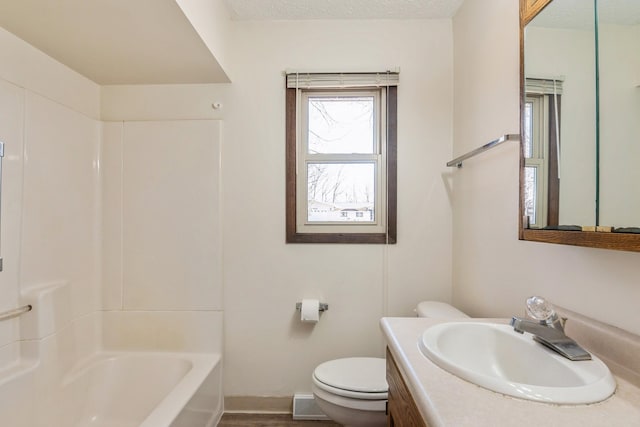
[{"x": 574, "y": 109}]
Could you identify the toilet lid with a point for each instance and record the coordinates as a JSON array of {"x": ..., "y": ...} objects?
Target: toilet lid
[{"x": 360, "y": 374}]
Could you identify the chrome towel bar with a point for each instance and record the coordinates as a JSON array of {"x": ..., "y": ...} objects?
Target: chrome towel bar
[
  {"x": 10, "y": 314},
  {"x": 457, "y": 162}
]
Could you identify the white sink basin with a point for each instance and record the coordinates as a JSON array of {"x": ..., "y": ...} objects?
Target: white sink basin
[{"x": 496, "y": 357}]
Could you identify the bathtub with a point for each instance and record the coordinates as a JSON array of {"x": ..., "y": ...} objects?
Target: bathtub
[{"x": 137, "y": 389}]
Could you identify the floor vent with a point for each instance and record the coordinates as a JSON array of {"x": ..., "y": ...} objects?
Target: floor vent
[{"x": 306, "y": 408}]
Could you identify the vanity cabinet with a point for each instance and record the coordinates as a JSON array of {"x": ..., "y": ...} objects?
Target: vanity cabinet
[{"x": 402, "y": 410}]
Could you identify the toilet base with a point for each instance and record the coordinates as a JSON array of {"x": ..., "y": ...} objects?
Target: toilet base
[{"x": 350, "y": 417}]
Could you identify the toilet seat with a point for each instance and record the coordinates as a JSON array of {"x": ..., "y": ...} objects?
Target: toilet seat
[
  {"x": 377, "y": 405},
  {"x": 354, "y": 377}
]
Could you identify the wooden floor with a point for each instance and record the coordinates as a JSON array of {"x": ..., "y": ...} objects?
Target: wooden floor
[{"x": 269, "y": 420}]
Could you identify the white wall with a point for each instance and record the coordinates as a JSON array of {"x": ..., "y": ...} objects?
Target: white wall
[
  {"x": 50, "y": 184},
  {"x": 619, "y": 129},
  {"x": 11, "y": 133},
  {"x": 263, "y": 276},
  {"x": 53, "y": 242},
  {"x": 26, "y": 67},
  {"x": 493, "y": 272},
  {"x": 210, "y": 19},
  {"x": 162, "y": 273}
]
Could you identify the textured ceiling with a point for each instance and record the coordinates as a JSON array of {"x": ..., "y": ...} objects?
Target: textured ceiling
[{"x": 342, "y": 9}]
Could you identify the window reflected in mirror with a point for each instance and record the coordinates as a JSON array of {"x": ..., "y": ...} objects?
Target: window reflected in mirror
[
  {"x": 559, "y": 117},
  {"x": 583, "y": 177}
]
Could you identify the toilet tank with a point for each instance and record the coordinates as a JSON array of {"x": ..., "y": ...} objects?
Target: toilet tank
[{"x": 438, "y": 310}]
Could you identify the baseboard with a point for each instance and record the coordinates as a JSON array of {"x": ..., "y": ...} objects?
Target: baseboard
[
  {"x": 259, "y": 404},
  {"x": 302, "y": 406}
]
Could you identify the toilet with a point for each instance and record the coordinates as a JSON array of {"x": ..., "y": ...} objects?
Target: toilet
[{"x": 353, "y": 391}]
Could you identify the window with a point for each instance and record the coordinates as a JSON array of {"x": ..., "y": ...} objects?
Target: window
[
  {"x": 536, "y": 160},
  {"x": 341, "y": 158},
  {"x": 542, "y": 152}
]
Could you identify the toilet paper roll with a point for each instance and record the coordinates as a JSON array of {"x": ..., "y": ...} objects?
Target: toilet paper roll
[{"x": 310, "y": 310}]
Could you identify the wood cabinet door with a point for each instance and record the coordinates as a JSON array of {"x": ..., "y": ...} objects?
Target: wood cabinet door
[{"x": 402, "y": 410}]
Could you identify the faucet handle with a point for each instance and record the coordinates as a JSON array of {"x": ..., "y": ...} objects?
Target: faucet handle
[{"x": 540, "y": 309}]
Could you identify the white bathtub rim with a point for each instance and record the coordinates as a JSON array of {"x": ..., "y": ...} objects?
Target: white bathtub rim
[
  {"x": 171, "y": 406},
  {"x": 86, "y": 363},
  {"x": 202, "y": 364}
]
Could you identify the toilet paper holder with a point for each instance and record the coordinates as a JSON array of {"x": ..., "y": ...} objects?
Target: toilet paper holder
[{"x": 323, "y": 306}]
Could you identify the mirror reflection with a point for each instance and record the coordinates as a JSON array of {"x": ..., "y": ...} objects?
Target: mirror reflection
[
  {"x": 560, "y": 113},
  {"x": 581, "y": 115},
  {"x": 619, "y": 64}
]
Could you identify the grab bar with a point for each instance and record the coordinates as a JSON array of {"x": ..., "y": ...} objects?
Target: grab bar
[
  {"x": 1, "y": 156},
  {"x": 457, "y": 162},
  {"x": 15, "y": 312}
]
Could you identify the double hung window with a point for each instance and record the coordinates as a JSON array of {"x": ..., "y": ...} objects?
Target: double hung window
[
  {"x": 341, "y": 158},
  {"x": 536, "y": 160},
  {"x": 542, "y": 151}
]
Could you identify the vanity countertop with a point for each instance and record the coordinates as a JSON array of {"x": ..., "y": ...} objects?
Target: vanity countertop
[{"x": 445, "y": 400}]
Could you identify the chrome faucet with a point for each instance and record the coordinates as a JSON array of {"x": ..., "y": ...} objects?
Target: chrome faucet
[{"x": 548, "y": 329}]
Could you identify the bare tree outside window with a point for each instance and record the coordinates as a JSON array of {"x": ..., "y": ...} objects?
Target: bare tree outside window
[
  {"x": 341, "y": 125},
  {"x": 337, "y": 191}
]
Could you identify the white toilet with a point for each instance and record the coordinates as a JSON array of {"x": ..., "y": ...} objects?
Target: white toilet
[{"x": 353, "y": 391}]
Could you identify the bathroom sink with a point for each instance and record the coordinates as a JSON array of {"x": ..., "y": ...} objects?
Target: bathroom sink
[{"x": 495, "y": 357}]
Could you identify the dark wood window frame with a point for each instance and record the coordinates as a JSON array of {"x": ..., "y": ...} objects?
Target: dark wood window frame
[
  {"x": 389, "y": 237},
  {"x": 553, "y": 183}
]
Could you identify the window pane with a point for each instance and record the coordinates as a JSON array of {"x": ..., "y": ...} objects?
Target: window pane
[
  {"x": 530, "y": 193},
  {"x": 341, "y": 124},
  {"x": 341, "y": 192},
  {"x": 528, "y": 130}
]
